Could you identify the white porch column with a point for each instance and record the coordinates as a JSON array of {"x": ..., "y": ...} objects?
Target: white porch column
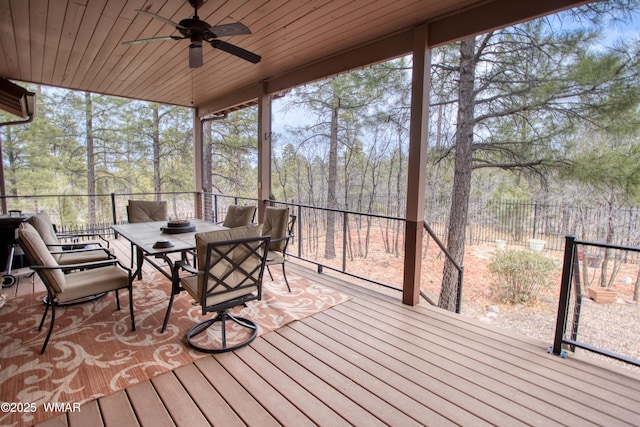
[{"x": 418, "y": 134}]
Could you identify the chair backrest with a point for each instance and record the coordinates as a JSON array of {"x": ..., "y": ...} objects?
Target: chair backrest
[
  {"x": 277, "y": 225},
  {"x": 38, "y": 254},
  {"x": 238, "y": 216},
  {"x": 233, "y": 262},
  {"x": 42, "y": 223},
  {"x": 146, "y": 211}
]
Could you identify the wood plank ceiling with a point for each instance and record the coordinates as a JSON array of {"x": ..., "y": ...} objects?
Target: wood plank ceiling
[{"x": 77, "y": 44}]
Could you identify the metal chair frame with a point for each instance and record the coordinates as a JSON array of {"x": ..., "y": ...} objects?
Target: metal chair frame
[{"x": 223, "y": 253}]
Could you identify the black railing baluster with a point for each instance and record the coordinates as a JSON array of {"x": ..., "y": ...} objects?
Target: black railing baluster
[
  {"x": 563, "y": 301},
  {"x": 344, "y": 241}
]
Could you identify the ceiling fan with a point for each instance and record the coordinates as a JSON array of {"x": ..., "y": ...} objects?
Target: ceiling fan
[{"x": 198, "y": 31}]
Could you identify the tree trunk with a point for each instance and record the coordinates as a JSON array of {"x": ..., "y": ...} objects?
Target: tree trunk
[
  {"x": 91, "y": 160},
  {"x": 157, "y": 186},
  {"x": 332, "y": 200},
  {"x": 462, "y": 176},
  {"x": 11, "y": 158},
  {"x": 608, "y": 253},
  {"x": 207, "y": 167}
]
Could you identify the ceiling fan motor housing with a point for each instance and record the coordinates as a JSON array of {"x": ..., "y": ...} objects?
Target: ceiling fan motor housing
[{"x": 191, "y": 27}]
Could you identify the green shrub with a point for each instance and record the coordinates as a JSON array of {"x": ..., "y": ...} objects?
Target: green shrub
[{"x": 519, "y": 276}]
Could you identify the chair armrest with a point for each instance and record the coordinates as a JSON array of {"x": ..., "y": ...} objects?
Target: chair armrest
[
  {"x": 92, "y": 264},
  {"x": 83, "y": 250},
  {"x": 188, "y": 268},
  {"x": 280, "y": 239},
  {"x": 75, "y": 236}
]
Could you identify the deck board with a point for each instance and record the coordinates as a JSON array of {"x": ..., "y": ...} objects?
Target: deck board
[
  {"x": 549, "y": 372},
  {"x": 210, "y": 403},
  {"x": 248, "y": 409},
  {"x": 275, "y": 371},
  {"x": 116, "y": 410},
  {"x": 299, "y": 372},
  {"x": 263, "y": 392},
  {"x": 148, "y": 406},
  {"x": 344, "y": 384},
  {"x": 404, "y": 372},
  {"x": 88, "y": 416},
  {"x": 178, "y": 402},
  {"x": 374, "y": 361}
]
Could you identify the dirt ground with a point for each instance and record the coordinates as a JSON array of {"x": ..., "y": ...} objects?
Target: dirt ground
[{"x": 388, "y": 268}]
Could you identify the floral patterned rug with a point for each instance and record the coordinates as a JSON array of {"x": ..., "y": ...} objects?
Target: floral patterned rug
[{"x": 93, "y": 352}]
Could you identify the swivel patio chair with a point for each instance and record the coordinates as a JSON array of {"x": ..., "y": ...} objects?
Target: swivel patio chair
[
  {"x": 68, "y": 253},
  {"x": 279, "y": 225},
  {"x": 88, "y": 280},
  {"x": 230, "y": 269},
  {"x": 239, "y": 216}
]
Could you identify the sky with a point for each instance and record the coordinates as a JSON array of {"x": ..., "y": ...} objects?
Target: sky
[{"x": 618, "y": 30}]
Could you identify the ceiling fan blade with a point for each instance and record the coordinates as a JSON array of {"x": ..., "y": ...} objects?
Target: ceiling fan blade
[
  {"x": 195, "y": 55},
  {"x": 160, "y": 18},
  {"x": 225, "y": 30},
  {"x": 235, "y": 50},
  {"x": 154, "y": 39}
]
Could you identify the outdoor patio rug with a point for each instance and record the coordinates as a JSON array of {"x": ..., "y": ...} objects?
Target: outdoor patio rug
[{"x": 93, "y": 352}]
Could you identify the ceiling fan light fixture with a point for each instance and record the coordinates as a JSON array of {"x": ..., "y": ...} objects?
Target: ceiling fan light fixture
[{"x": 195, "y": 55}]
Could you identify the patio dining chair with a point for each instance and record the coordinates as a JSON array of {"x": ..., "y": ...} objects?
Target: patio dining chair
[
  {"x": 145, "y": 211},
  {"x": 239, "y": 216},
  {"x": 279, "y": 225},
  {"x": 73, "y": 252},
  {"x": 88, "y": 279},
  {"x": 230, "y": 269}
]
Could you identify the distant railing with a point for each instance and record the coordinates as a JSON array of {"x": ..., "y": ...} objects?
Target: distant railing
[
  {"x": 215, "y": 205},
  {"x": 571, "y": 325},
  {"x": 356, "y": 245},
  {"x": 352, "y": 240}
]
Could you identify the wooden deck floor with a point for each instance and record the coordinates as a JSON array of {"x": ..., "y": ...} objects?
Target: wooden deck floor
[{"x": 373, "y": 361}]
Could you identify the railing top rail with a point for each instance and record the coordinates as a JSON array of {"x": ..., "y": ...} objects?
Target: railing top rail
[
  {"x": 606, "y": 245},
  {"x": 217, "y": 195},
  {"x": 33, "y": 196},
  {"x": 337, "y": 210}
]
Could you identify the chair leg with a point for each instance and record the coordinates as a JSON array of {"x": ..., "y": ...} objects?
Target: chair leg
[
  {"x": 118, "y": 299},
  {"x": 269, "y": 271},
  {"x": 284, "y": 273},
  {"x": 53, "y": 319},
  {"x": 44, "y": 315}
]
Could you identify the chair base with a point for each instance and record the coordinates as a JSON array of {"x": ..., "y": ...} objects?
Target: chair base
[{"x": 221, "y": 318}]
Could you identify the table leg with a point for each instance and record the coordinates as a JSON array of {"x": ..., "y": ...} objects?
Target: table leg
[
  {"x": 175, "y": 289},
  {"x": 139, "y": 262}
]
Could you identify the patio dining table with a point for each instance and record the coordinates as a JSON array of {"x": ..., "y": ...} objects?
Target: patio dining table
[{"x": 156, "y": 240}]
